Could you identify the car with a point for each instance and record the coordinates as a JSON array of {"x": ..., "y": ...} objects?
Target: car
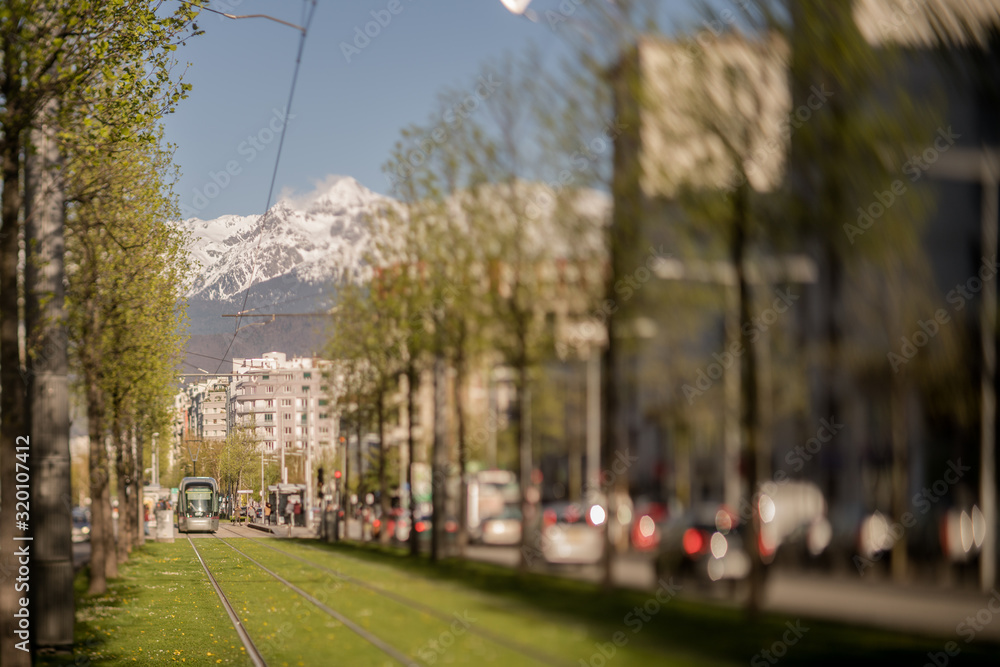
[
  {"x": 706, "y": 544},
  {"x": 81, "y": 524},
  {"x": 504, "y": 528},
  {"x": 572, "y": 533},
  {"x": 650, "y": 517}
]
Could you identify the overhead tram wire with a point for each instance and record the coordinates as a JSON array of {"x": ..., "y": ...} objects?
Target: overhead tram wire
[{"x": 277, "y": 160}]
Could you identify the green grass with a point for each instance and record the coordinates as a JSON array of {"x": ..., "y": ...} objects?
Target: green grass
[
  {"x": 569, "y": 617},
  {"x": 163, "y": 609},
  {"x": 410, "y": 631}
]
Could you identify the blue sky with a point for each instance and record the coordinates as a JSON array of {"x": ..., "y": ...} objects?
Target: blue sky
[{"x": 345, "y": 115}]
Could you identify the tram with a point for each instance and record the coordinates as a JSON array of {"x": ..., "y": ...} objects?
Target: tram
[{"x": 198, "y": 505}]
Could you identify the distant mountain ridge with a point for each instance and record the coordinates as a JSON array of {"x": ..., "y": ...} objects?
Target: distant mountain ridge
[{"x": 291, "y": 261}]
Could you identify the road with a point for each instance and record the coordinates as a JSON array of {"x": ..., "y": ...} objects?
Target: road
[{"x": 927, "y": 610}]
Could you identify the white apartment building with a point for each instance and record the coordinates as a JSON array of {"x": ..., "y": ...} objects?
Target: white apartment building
[
  {"x": 287, "y": 401},
  {"x": 207, "y": 413}
]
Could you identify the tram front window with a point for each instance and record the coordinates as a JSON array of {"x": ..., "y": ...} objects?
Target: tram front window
[{"x": 199, "y": 502}]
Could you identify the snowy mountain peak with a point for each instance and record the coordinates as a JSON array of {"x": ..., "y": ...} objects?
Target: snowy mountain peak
[{"x": 317, "y": 236}]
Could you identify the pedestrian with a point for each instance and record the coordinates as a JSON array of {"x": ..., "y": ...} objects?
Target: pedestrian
[{"x": 267, "y": 513}]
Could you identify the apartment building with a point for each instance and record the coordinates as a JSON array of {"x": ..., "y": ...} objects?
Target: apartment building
[{"x": 286, "y": 401}]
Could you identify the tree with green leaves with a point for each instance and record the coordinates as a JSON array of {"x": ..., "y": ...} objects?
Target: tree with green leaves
[
  {"x": 99, "y": 62},
  {"x": 126, "y": 266}
]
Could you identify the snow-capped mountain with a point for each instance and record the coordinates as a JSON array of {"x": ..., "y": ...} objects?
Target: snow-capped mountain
[
  {"x": 313, "y": 239},
  {"x": 294, "y": 258}
]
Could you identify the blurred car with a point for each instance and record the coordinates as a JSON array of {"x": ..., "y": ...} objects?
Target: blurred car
[
  {"x": 504, "y": 528},
  {"x": 647, "y": 528},
  {"x": 572, "y": 532},
  {"x": 81, "y": 525},
  {"x": 706, "y": 544}
]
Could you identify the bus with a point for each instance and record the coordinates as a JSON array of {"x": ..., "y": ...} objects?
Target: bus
[{"x": 198, "y": 505}]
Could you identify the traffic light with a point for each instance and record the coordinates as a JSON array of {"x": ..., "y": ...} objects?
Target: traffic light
[
  {"x": 319, "y": 476},
  {"x": 336, "y": 474}
]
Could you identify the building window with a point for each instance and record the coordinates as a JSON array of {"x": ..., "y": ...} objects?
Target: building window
[
  {"x": 269, "y": 417},
  {"x": 323, "y": 401},
  {"x": 265, "y": 377},
  {"x": 324, "y": 429},
  {"x": 307, "y": 375},
  {"x": 324, "y": 388},
  {"x": 270, "y": 403},
  {"x": 305, "y": 388},
  {"x": 270, "y": 389},
  {"x": 288, "y": 390},
  {"x": 324, "y": 415},
  {"x": 287, "y": 415},
  {"x": 288, "y": 430},
  {"x": 286, "y": 402}
]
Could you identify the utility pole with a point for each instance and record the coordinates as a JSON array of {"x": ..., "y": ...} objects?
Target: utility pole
[{"x": 48, "y": 390}]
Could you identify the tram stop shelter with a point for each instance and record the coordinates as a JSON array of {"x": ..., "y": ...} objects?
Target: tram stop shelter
[{"x": 280, "y": 495}]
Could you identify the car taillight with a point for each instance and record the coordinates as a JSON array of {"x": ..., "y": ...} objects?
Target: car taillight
[
  {"x": 693, "y": 542},
  {"x": 376, "y": 523},
  {"x": 549, "y": 518},
  {"x": 420, "y": 527},
  {"x": 765, "y": 547}
]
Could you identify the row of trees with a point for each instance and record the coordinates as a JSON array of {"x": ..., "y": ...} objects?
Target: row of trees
[
  {"x": 464, "y": 271},
  {"x": 82, "y": 85},
  {"x": 459, "y": 273}
]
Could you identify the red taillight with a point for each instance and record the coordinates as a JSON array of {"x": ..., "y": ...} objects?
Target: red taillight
[
  {"x": 693, "y": 542},
  {"x": 376, "y": 523},
  {"x": 764, "y": 547},
  {"x": 549, "y": 518},
  {"x": 420, "y": 527}
]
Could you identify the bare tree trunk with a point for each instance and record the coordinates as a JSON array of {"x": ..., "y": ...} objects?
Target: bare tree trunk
[
  {"x": 522, "y": 432},
  {"x": 411, "y": 382},
  {"x": 110, "y": 537},
  {"x": 13, "y": 404},
  {"x": 139, "y": 522},
  {"x": 48, "y": 389},
  {"x": 121, "y": 472},
  {"x": 383, "y": 476},
  {"x": 100, "y": 510},
  {"x": 751, "y": 415},
  {"x": 463, "y": 450},
  {"x": 439, "y": 458}
]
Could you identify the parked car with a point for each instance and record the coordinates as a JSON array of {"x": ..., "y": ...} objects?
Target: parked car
[
  {"x": 504, "y": 528},
  {"x": 707, "y": 544},
  {"x": 81, "y": 524},
  {"x": 572, "y": 533}
]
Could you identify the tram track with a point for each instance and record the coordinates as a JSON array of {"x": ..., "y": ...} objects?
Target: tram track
[
  {"x": 495, "y": 638},
  {"x": 372, "y": 639},
  {"x": 255, "y": 657}
]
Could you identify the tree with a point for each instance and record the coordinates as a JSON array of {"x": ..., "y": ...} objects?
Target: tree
[
  {"x": 62, "y": 52},
  {"x": 125, "y": 268}
]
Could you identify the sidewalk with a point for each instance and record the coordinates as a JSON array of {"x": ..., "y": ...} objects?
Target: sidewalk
[{"x": 299, "y": 532}]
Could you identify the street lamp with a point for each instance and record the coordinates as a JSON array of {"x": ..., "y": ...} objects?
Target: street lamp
[{"x": 516, "y": 6}]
